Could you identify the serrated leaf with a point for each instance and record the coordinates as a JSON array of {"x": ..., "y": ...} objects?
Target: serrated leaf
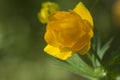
[
  {"x": 75, "y": 70},
  {"x": 76, "y": 65},
  {"x": 77, "y": 61},
  {"x": 116, "y": 59},
  {"x": 104, "y": 48}
]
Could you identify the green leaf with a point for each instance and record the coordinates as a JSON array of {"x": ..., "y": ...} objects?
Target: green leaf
[
  {"x": 113, "y": 65},
  {"x": 76, "y": 65},
  {"x": 101, "y": 51},
  {"x": 75, "y": 70},
  {"x": 77, "y": 61},
  {"x": 115, "y": 59}
]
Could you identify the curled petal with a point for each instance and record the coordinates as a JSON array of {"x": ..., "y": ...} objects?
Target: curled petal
[
  {"x": 82, "y": 11},
  {"x": 67, "y": 27},
  {"x": 54, "y": 51},
  {"x": 51, "y": 38},
  {"x": 86, "y": 35},
  {"x": 81, "y": 43},
  {"x": 85, "y": 49}
]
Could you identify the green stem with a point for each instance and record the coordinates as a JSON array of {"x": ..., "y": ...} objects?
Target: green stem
[
  {"x": 89, "y": 57},
  {"x": 97, "y": 57}
]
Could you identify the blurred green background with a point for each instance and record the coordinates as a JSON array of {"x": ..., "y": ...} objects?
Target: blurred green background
[{"x": 22, "y": 42}]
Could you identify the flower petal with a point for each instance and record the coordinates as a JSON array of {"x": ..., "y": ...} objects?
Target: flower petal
[
  {"x": 50, "y": 37},
  {"x": 81, "y": 43},
  {"x": 54, "y": 51},
  {"x": 82, "y": 11},
  {"x": 85, "y": 49}
]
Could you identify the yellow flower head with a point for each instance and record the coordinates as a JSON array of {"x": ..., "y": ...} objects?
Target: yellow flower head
[
  {"x": 69, "y": 32},
  {"x": 48, "y": 8}
]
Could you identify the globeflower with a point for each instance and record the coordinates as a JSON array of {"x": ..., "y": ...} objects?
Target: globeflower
[
  {"x": 69, "y": 32},
  {"x": 47, "y": 9}
]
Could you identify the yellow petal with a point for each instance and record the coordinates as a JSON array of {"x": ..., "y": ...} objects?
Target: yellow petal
[
  {"x": 54, "y": 51},
  {"x": 48, "y": 8},
  {"x": 81, "y": 43},
  {"x": 50, "y": 37},
  {"x": 85, "y": 49},
  {"x": 82, "y": 11}
]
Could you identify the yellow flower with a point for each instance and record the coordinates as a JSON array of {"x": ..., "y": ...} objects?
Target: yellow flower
[
  {"x": 48, "y": 8},
  {"x": 69, "y": 32}
]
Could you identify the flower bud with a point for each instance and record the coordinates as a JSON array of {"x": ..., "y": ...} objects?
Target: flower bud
[{"x": 48, "y": 8}]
